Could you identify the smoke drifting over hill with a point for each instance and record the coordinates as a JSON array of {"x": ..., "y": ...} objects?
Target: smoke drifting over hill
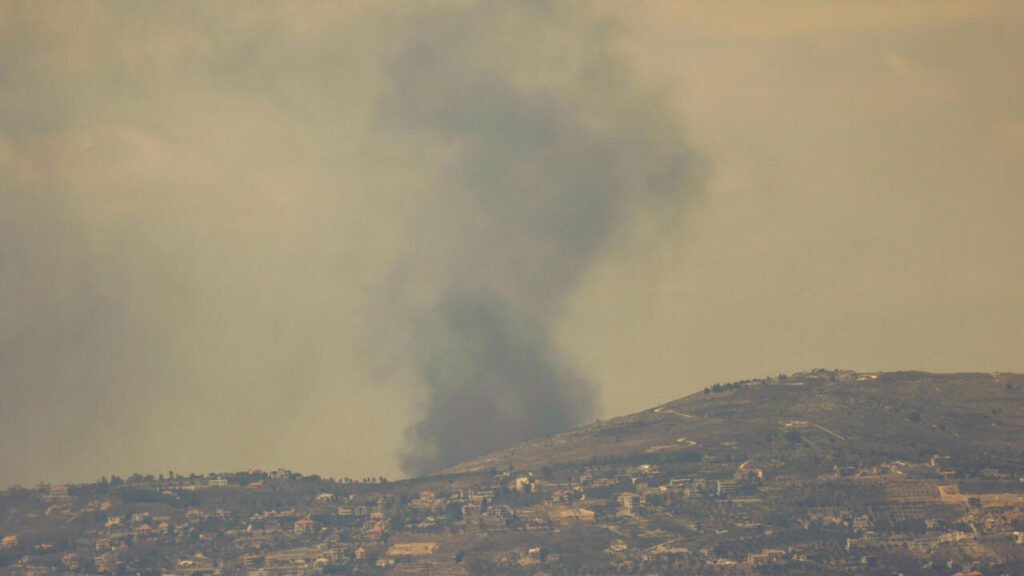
[
  {"x": 259, "y": 226},
  {"x": 348, "y": 237},
  {"x": 550, "y": 151}
]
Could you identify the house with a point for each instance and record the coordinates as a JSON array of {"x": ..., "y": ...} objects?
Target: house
[
  {"x": 426, "y": 501},
  {"x": 304, "y": 526},
  {"x": 412, "y": 549},
  {"x": 480, "y": 496},
  {"x": 376, "y": 530},
  {"x": 630, "y": 502},
  {"x": 766, "y": 557},
  {"x": 573, "y": 515},
  {"x": 435, "y": 568},
  {"x": 524, "y": 484},
  {"x": 71, "y": 561},
  {"x": 471, "y": 510},
  {"x": 503, "y": 512},
  {"x": 728, "y": 488},
  {"x": 106, "y": 562}
]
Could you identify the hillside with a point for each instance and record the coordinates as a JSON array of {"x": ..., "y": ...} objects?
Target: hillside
[
  {"x": 828, "y": 472},
  {"x": 844, "y": 416}
]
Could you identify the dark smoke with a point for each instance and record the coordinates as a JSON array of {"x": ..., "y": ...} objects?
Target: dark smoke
[
  {"x": 492, "y": 379},
  {"x": 547, "y": 151},
  {"x": 217, "y": 227}
]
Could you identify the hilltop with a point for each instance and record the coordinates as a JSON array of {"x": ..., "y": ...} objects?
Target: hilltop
[
  {"x": 842, "y": 416},
  {"x": 826, "y": 472}
]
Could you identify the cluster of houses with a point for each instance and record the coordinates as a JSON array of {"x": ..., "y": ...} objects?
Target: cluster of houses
[{"x": 402, "y": 529}]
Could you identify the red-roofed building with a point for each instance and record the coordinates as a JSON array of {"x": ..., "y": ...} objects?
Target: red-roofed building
[{"x": 304, "y": 526}]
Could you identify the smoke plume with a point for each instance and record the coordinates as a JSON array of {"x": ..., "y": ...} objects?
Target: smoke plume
[
  {"x": 548, "y": 150},
  {"x": 336, "y": 239}
]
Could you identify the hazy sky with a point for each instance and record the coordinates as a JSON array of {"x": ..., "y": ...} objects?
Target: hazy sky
[{"x": 359, "y": 238}]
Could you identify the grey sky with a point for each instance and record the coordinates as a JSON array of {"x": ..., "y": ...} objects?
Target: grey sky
[{"x": 220, "y": 230}]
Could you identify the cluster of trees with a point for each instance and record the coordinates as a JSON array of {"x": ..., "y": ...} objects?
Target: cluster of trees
[{"x": 719, "y": 388}]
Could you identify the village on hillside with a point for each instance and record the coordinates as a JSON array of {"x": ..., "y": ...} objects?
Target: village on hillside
[
  {"x": 760, "y": 477},
  {"x": 628, "y": 518}
]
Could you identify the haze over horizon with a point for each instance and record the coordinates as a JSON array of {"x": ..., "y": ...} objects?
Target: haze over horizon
[{"x": 369, "y": 239}]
